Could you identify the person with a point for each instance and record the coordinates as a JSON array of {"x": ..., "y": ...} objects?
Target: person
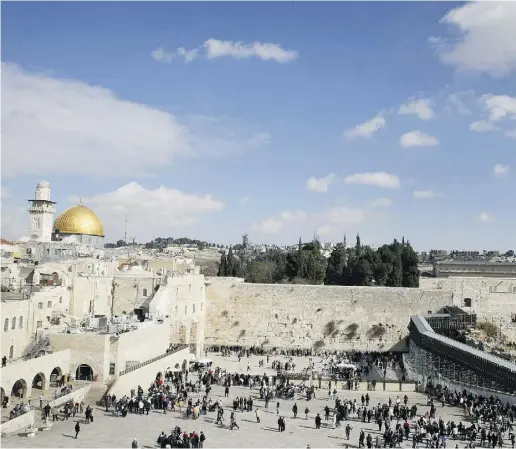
[
  {"x": 4, "y": 361},
  {"x": 318, "y": 421},
  {"x": 306, "y": 412},
  {"x": 257, "y": 412},
  {"x": 134, "y": 444},
  {"x": 294, "y": 411},
  {"x": 77, "y": 429},
  {"x": 202, "y": 438}
]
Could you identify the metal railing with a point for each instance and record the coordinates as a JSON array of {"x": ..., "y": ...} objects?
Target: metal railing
[{"x": 147, "y": 362}]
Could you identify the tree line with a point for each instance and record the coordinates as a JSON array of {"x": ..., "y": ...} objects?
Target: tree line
[{"x": 393, "y": 265}]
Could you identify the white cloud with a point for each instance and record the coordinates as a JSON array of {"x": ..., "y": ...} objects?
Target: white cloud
[
  {"x": 14, "y": 220},
  {"x": 323, "y": 222},
  {"x": 511, "y": 134},
  {"x": 320, "y": 185},
  {"x": 83, "y": 129},
  {"x": 150, "y": 212},
  {"x": 458, "y": 101},
  {"x": 266, "y": 51},
  {"x": 500, "y": 170},
  {"x": 481, "y": 126},
  {"x": 273, "y": 225},
  {"x": 379, "y": 179},
  {"x": 214, "y": 48},
  {"x": 366, "y": 129},
  {"x": 425, "y": 194},
  {"x": 486, "y": 40},
  {"x": 484, "y": 217},
  {"x": 244, "y": 199},
  {"x": 417, "y": 138},
  {"x": 422, "y": 108},
  {"x": 160, "y": 55},
  {"x": 499, "y": 106},
  {"x": 381, "y": 202}
]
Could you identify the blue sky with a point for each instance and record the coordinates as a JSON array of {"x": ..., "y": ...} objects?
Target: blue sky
[{"x": 208, "y": 120}]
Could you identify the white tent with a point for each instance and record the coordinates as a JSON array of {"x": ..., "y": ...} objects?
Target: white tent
[{"x": 346, "y": 366}]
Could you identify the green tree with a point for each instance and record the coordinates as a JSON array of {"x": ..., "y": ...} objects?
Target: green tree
[
  {"x": 336, "y": 266},
  {"x": 222, "y": 265},
  {"x": 396, "y": 274},
  {"x": 410, "y": 268}
]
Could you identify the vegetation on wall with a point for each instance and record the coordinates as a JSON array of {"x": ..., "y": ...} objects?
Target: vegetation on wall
[
  {"x": 490, "y": 329},
  {"x": 376, "y": 331},
  {"x": 392, "y": 265}
]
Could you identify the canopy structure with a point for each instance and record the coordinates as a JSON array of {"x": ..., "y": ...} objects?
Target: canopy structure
[
  {"x": 346, "y": 366},
  {"x": 202, "y": 361}
]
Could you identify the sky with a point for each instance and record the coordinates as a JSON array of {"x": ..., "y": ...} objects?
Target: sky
[{"x": 279, "y": 120}]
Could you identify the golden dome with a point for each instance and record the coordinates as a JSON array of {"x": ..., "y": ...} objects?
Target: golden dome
[{"x": 79, "y": 220}]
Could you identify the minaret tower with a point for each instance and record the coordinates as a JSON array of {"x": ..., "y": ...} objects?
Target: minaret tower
[{"x": 41, "y": 213}]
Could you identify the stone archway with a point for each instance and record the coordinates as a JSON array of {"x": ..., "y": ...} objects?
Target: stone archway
[
  {"x": 84, "y": 372},
  {"x": 19, "y": 389},
  {"x": 55, "y": 376},
  {"x": 39, "y": 381}
]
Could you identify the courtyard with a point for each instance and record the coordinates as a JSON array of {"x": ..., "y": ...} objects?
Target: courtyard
[{"x": 110, "y": 431}]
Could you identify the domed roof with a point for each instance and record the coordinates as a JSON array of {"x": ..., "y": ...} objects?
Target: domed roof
[{"x": 79, "y": 220}]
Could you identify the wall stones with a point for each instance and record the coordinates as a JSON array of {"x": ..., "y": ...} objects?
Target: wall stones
[{"x": 286, "y": 315}]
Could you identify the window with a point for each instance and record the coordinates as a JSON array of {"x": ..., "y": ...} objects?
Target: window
[
  {"x": 60, "y": 300},
  {"x": 40, "y": 305},
  {"x": 39, "y": 324},
  {"x": 11, "y": 352},
  {"x": 193, "y": 308},
  {"x": 467, "y": 302},
  {"x": 21, "y": 322},
  {"x": 201, "y": 306},
  {"x": 111, "y": 369},
  {"x": 13, "y": 326},
  {"x": 144, "y": 292},
  {"x": 513, "y": 318},
  {"x": 186, "y": 310},
  {"x": 49, "y": 304},
  {"x": 6, "y": 325}
]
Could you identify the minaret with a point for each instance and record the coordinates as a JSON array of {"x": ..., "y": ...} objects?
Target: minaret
[{"x": 41, "y": 213}]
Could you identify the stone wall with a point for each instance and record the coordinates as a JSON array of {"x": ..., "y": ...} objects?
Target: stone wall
[
  {"x": 27, "y": 370},
  {"x": 18, "y": 424},
  {"x": 146, "y": 374},
  {"x": 77, "y": 395},
  {"x": 492, "y": 299},
  {"x": 283, "y": 315},
  {"x": 19, "y": 337}
]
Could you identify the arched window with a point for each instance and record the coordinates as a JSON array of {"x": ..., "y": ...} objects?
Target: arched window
[
  {"x": 13, "y": 326},
  {"x": 11, "y": 352},
  {"x": 21, "y": 322},
  {"x": 6, "y": 325},
  {"x": 144, "y": 292}
]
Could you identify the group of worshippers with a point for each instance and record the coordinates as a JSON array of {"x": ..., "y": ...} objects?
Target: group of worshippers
[
  {"x": 176, "y": 438},
  {"x": 492, "y": 424}
]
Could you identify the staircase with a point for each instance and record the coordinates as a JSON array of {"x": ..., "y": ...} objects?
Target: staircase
[{"x": 33, "y": 350}]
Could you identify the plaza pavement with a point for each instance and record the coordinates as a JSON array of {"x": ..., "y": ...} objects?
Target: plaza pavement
[{"x": 109, "y": 431}]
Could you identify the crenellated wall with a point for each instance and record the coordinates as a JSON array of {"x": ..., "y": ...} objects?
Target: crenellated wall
[{"x": 285, "y": 315}]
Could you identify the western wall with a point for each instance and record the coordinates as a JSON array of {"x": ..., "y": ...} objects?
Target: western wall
[{"x": 285, "y": 315}]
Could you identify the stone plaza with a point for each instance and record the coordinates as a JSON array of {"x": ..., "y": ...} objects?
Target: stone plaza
[{"x": 110, "y": 431}]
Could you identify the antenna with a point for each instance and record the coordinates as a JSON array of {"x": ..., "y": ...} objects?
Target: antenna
[{"x": 125, "y": 232}]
